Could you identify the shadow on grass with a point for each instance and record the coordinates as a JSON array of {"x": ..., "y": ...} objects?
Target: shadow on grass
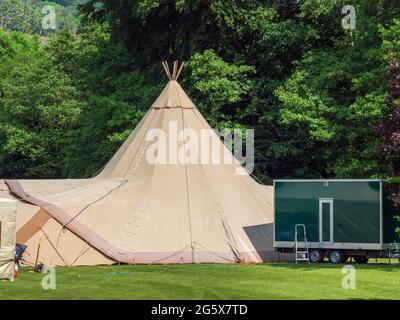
[
  {"x": 132, "y": 270},
  {"x": 314, "y": 266}
]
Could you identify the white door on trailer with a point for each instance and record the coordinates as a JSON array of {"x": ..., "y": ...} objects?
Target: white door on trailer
[{"x": 326, "y": 216}]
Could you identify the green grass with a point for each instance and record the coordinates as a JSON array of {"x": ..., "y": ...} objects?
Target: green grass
[{"x": 265, "y": 281}]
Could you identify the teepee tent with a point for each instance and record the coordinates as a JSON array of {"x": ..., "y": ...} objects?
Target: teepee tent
[{"x": 141, "y": 211}]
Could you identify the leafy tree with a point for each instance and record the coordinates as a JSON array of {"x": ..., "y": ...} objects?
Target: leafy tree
[
  {"x": 337, "y": 97},
  {"x": 390, "y": 128},
  {"x": 115, "y": 92},
  {"x": 21, "y": 16},
  {"x": 159, "y": 29},
  {"x": 38, "y": 106},
  {"x": 27, "y": 16},
  {"x": 312, "y": 118},
  {"x": 220, "y": 87},
  {"x": 313, "y": 92},
  {"x": 15, "y": 43}
]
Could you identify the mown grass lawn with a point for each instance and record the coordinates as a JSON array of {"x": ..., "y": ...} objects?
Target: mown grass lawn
[{"x": 265, "y": 281}]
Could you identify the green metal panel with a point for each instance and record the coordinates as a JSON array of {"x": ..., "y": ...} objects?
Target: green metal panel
[
  {"x": 356, "y": 206},
  {"x": 389, "y": 222}
]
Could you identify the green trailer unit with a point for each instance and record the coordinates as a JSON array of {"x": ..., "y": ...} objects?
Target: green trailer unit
[{"x": 342, "y": 218}]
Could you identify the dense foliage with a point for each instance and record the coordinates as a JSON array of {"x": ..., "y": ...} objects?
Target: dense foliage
[
  {"x": 27, "y": 15},
  {"x": 323, "y": 100},
  {"x": 390, "y": 128},
  {"x": 314, "y": 92},
  {"x": 38, "y": 104}
]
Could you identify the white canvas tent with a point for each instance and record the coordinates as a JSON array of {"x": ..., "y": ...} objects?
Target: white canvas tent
[
  {"x": 135, "y": 211},
  {"x": 8, "y": 213}
]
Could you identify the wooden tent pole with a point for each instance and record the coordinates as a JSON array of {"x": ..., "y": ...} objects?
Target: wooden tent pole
[
  {"x": 174, "y": 71},
  {"x": 37, "y": 255},
  {"x": 165, "y": 68},
  {"x": 180, "y": 70},
  {"x": 169, "y": 71}
]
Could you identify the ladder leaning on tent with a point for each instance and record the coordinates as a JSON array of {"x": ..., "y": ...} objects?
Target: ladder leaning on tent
[{"x": 301, "y": 251}]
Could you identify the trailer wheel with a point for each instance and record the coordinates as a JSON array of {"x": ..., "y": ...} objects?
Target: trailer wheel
[
  {"x": 336, "y": 256},
  {"x": 361, "y": 259},
  {"x": 316, "y": 255}
]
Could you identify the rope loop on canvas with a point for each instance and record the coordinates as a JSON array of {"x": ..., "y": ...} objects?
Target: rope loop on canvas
[{"x": 176, "y": 70}]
